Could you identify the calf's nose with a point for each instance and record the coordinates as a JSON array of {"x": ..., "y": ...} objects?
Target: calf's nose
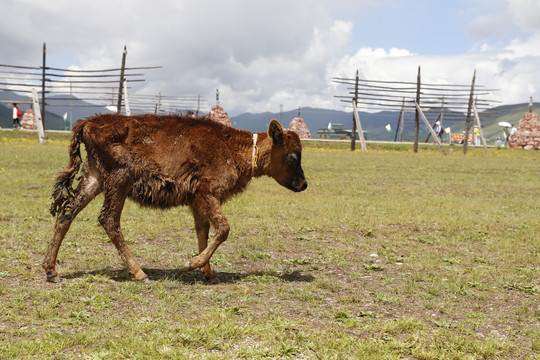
[{"x": 301, "y": 186}]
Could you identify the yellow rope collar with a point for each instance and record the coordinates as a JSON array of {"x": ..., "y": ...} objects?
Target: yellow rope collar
[{"x": 254, "y": 155}]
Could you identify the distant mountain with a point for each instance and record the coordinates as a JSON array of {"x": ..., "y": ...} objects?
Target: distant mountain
[{"x": 375, "y": 123}]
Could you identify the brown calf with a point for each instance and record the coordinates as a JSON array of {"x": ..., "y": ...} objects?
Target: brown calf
[{"x": 165, "y": 161}]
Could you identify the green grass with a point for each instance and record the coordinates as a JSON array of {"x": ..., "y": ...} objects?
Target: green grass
[{"x": 386, "y": 255}]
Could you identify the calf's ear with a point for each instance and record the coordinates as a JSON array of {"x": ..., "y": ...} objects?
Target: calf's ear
[{"x": 275, "y": 131}]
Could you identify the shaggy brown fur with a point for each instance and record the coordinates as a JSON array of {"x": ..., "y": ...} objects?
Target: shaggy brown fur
[{"x": 165, "y": 161}]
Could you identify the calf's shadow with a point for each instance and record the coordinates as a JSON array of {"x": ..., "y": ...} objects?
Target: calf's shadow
[{"x": 193, "y": 277}]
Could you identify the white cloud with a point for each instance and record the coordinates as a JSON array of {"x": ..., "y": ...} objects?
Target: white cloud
[
  {"x": 525, "y": 14},
  {"x": 490, "y": 26},
  {"x": 263, "y": 54}
]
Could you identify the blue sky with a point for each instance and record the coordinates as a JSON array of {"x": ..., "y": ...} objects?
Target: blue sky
[
  {"x": 423, "y": 27},
  {"x": 266, "y": 54}
]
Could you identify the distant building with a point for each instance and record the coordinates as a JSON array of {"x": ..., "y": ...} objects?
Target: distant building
[{"x": 336, "y": 131}]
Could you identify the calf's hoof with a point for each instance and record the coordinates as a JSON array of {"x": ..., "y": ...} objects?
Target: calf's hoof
[
  {"x": 139, "y": 275},
  {"x": 188, "y": 266},
  {"x": 208, "y": 273},
  {"x": 53, "y": 278}
]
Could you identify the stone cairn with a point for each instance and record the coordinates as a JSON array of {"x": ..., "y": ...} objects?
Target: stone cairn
[
  {"x": 528, "y": 135},
  {"x": 298, "y": 125},
  {"x": 28, "y": 121},
  {"x": 217, "y": 113}
]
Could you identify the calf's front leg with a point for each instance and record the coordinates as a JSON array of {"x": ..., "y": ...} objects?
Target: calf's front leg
[
  {"x": 207, "y": 211},
  {"x": 202, "y": 227}
]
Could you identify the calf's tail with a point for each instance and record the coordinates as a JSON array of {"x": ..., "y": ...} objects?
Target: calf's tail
[{"x": 63, "y": 191}]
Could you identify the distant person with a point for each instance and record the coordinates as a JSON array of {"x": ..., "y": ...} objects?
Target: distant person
[
  {"x": 476, "y": 136},
  {"x": 509, "y": 132},
  {"x": 438, "y": 130},
  {"x": 16, "y": 116}
]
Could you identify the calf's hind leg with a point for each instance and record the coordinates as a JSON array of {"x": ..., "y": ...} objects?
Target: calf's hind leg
[
  {"x": 88, "y": 189},
  {"x": 110, "y": 220}
]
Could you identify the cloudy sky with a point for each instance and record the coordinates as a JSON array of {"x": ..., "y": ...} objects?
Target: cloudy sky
[{"x": 267, "y": 54}]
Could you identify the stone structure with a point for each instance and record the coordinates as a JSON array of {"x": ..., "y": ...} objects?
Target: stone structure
[
  {"x": 28, "y": 120},
  {"x": 528, "y": 134},
  {"x": 298, "y": 125},
  {"x": 219, "y": 115}
]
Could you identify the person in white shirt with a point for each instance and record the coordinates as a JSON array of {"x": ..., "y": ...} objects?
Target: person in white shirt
[
  {"x": 16, "y": 116},
  {"x": 509, "y": 132}
]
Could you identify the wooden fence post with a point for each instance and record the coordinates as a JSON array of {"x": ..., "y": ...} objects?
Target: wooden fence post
[
  {"x": 479, "y": 126},
  {"x": 126, "y": 101},
  {"x": 359, "y": 126},
  {"x": 402, "y": 120},
  {"x": 43, "y": 85},
  {"x": 70, "y": 106},
  {"x": 37, "y": 115},
  {"x": 442, "y": 112},
  {"x": 416, "y": 120},
  {"x": 421, "y": 113},
  {"x": 121, "y": 85},
  {"x": 468, "y": 121},
  {"x": 158, "y": 104},
  {"x": 399, "y": 126},
  {"x": 440, "y": 118},
  {"x": 354, "y": 128}
]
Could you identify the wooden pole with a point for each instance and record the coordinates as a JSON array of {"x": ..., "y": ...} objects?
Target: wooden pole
[
  {"x": 126, "y": 101},
  {"x": 402, "y": 120},
  {"x": 429, "y": 135},
  {"x": 421, "y": 113},
  {"x": 43, "y": 85},
  {"x": 477, "y": 118},
  {"x": 442, "y": 110},
  {"x": 397, "y": 127},
  {"x": 70, "y": 106},
  {"x": 416, "y": 118},
  {"x": 440, "y": 118},
  {"x": 359, "y": 126},
  {"x": 37, "y": 114},
  {"x": 468, "y": 120},
  {"x": 353, "y": 132},
  {"x": 158, "y": 104},
  {"x": 121, "y": 85},
  {"x": 530, "y": 104}
]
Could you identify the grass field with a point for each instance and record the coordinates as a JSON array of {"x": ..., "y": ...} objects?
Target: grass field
[{"x": 386, "y": 255}]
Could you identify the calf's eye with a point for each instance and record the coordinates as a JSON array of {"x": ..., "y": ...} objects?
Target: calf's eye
[{"x": 292, "y": 159}]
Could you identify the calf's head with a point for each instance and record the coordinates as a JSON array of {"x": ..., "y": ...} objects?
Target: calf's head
[{"x": 286, "y": 158}]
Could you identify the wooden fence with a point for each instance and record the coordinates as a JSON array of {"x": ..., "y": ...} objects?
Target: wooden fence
[
  {"x": 448, "y": 103},
  {"x": 96, "y": 88}
]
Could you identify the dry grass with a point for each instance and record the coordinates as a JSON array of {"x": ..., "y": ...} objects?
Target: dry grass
[{"x": 387, "y": 255}]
